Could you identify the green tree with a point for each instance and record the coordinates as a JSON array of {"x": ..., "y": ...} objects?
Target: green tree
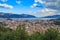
[
  {"x": 20, "y": 33},
  {"x": 58, "y": 38},
  {"x": 51, "y": 34},
  {"x": 36, "y": 36}
]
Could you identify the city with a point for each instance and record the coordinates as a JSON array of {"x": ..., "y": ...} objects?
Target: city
[{"x": 31, "y": 25}]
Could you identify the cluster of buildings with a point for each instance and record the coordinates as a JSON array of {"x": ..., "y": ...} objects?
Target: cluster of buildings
[{"x": 31, "y": 25}]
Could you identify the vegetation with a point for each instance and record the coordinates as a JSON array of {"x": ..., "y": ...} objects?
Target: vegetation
[
  {"x": 57, "y": 21},
  {"x": 21, "y": 34}
]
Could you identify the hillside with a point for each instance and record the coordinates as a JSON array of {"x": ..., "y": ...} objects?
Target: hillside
[{"x": 10, "y": 15}]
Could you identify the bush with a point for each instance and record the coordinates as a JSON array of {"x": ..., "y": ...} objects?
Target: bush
[
  {"x": 51, "y": 34},
  {"x": 21, "y": 34},
  {"x": 36, "y": 36}
]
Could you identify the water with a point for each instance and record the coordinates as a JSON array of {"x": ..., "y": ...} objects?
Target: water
[
  {"x": 3, "y": 19},
  {"x": 30, "y": 18}
]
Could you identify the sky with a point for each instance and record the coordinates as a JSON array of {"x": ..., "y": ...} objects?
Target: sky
[{"x": 38, "y": 8}]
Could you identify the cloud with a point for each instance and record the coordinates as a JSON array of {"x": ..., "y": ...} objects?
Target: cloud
[
  {"x": 4, "y": 0},
  {"x": 18, "y": 2},
  {"x": 52, "y": 7},
  {"x": 42, "y": 12},
  {"x": 39, "y": 1},
  {"x": 53, "y": 4},
  {"x": 34, "y": 5},
  {"x": 45, "y": 12},
  {"x": 6, "y": 6}
]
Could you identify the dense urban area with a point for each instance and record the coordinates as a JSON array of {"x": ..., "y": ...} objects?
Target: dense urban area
[{"x": 30, "y": 29}]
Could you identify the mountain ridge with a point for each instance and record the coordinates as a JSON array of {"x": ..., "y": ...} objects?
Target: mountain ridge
[
  {"x": 10, "y": 15},
  {"x": 53, "y": 16}
]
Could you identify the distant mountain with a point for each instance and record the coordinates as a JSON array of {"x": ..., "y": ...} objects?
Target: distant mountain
[
  {"x": 10, "y": 15},
  {"x": 53, "y": 16}
]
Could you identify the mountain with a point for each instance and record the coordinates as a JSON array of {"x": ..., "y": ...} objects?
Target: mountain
[
  {"x": 53, "y": 16},
  {"x": 10, "y": 15}
]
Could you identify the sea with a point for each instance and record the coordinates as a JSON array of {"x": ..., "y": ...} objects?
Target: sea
[{"x": 3, "y": 19}]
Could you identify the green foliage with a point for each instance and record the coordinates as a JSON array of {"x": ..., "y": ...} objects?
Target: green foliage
[
  {"x": 58, "y": 38},
  {"x": 3, "y": 29},
  {"x": 36, "y": 36},
  {"x": 21, "y": 34},
  {"x": 57, "y": 22},
  {"x": 51, "y": 34}
]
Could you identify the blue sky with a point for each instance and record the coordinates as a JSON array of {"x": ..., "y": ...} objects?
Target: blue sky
[{"x": 37, "y": 8}]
